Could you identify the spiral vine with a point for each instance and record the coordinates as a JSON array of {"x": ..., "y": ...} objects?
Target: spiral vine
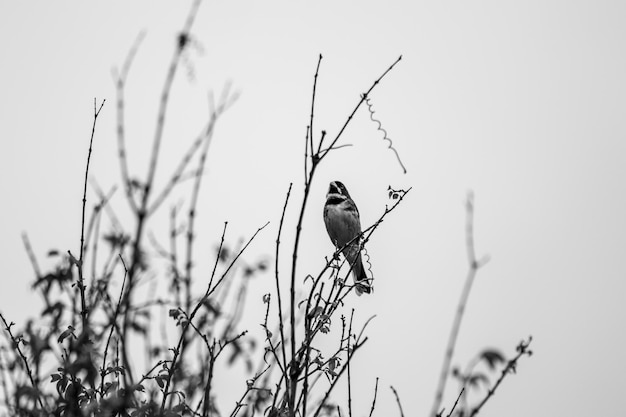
[{"x": 385, "y": 135}]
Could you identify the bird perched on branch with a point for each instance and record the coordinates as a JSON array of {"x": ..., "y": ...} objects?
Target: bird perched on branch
[{"x": 344, "y": 226}]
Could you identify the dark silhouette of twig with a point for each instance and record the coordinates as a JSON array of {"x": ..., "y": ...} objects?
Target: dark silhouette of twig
[
  {"x": 113, "y": 327},
  {"x": 81, "y": 282},
  {"x": 350, "y": 351},
  {"x": 334, "y": 148},
  {"x": 280, "y": 303},
  {"x": 395, "y": 393},
  {"x": 94, "y": 229},
  {"x": 16, "y": 346},
  {"x": 308, "y": 177},
  {"x": 306, "y": 154},
  {"x": 522, "y": 349},
  {"x": 215, "y": 112},
  {"x": 249, "y": 387},
  {"x": 207, "y": 294},
  {"x": 374, "y": 401},
  {"x": 474, "y": 265},
  {"x": 455, "y": 403},
  {"x": 363, "y": 97},
  {"x": 129, "y": 187},
  {"x": 309, "y": 335},
  {"x": 310, "y": 131},
  {"x": 357, "y": 345},
  {"x": 348, "y": 366}
]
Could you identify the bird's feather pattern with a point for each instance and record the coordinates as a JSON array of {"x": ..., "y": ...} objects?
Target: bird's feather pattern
[{"x": 343, "y": 225}]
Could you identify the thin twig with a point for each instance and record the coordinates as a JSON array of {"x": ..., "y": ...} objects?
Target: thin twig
[
  {"x": 357, "y": 346},
  {"x": 374, "y": 401},
  {"x": 219, "y": 254},
  {"x": 16, "y": 346},
  {"x": 249, "y": 387},
  {"x": 117, "y": 225},
  {"x": 209, "y": 291},
  {"x": 395, "y": 393},
  {"x": 280, "y": 303},
  {"x": 310, "y": 130},
  {"x": 348, "y": 366},
  {"x": 306, "y": 154},
  {"x": 142, "y": 211},
  {"x": 120, "y": 81},
  {"x": 81, "y": 282},
  {"x": 215, "y": 113},
  {"x": 363, "y": 97},
  {"x": 456, "y": 402},
  {"x": 522, "y": 349},
  {"x": 33, "y": 261},
  {"x": 191, "y": 222},
  {"x": 94, "y": 227},
  {"x": 308, "y": 178},
  {"x": 113, "y": 326},
  {"x": 31, "y": 255},
  {"x": 309, "y": 334},
  {"x": 474, "y": 265}
]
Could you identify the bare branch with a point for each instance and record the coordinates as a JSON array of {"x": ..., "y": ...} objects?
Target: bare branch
[
  {"x": 16, "y": 346},
  {"x": 120, "y": 81},
  {"x": 511, "y": 366},
  {"x": 374, "y": 401},
  {"x": 474, "y": 265},
  {"x": 395, "y": 393},
  {"x": 81, "y": 282},
  {"x": 280, "y": 303}
]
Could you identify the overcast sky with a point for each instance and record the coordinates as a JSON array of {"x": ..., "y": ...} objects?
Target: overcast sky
[{"x": 521, "y": 102}]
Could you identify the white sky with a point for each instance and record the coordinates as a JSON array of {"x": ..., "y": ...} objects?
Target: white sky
[{"x": 522, "y": 102}]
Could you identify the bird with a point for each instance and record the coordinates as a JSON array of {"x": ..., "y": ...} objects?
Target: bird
[{"x": 343, "y": 225}]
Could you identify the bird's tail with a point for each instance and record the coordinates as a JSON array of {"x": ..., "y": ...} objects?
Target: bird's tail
[{"x": 362, "y": 283}]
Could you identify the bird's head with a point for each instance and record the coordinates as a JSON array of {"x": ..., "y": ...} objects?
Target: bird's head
[{"x": 337, "y": 188}]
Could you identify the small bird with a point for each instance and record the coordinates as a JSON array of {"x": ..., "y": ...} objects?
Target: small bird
[{"x": 343, "y": 225}]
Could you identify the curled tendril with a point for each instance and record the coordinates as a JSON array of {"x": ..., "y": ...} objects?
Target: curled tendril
[
  {"x": 366, "y": 257},
  {"x": 380, "y": 127}
]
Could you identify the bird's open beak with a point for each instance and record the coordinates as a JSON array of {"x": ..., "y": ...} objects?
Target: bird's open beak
[{"x": 333, "y": 189}]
